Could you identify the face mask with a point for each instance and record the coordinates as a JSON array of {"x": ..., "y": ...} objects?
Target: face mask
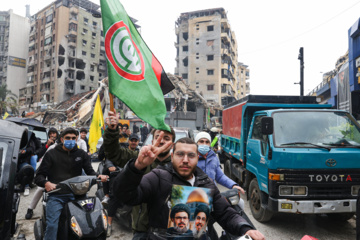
[
  {"x": 203, "y": 149},
  {"x": 69, "y": 144}
]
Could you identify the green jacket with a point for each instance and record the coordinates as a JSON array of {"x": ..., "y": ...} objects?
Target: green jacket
[
  {"x": 117, "y": 154},
  {"x": 140, "y": 218}
]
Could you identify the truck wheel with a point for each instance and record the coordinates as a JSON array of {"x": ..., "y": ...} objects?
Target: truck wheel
[
  {"x": 227, "y": 170},
  {"x": 260, "y": 213},
  {"x": 340, "y": 217}
]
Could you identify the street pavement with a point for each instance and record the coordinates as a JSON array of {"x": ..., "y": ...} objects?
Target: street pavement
[{"x": 281, "y": 227}]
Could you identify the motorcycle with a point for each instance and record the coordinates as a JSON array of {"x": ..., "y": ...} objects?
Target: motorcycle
[
  {"x": 233, "y": 197},
  {"x": 81, "y": 218},
  {"x": 123, "y": 214}
]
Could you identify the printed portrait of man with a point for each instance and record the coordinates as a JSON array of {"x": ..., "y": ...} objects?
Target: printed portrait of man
[
  {"x": 201, "y": 215},
  {"x": 180, "y": 216}
]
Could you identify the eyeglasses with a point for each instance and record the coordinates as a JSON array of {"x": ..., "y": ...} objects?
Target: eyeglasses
[
  {"x": 181, "y": 218},
  {"x": 181, "y": 155},
  {"x": 200, "y": 218},
  {"x": 70, "y": 138}
]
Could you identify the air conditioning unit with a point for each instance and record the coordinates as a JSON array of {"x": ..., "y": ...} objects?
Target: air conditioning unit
[
  {"x": 85, "y": 23},
  {"x": 84, "y": 44},
  {"x": 93, "y": 37},
  {"x": 66, "y": 36},
  {"x": 92, "y": 47},
  {"x": 82, "y": 33}
]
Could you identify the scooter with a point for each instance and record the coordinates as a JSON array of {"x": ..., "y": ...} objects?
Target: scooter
[
  {"x": 233, "y": 197},
  {"x": 123, "y": 214},
  {"x": 83, "y": 218}
]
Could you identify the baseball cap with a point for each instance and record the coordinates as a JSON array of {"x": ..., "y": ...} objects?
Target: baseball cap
[{"x": 133, "y": 135}]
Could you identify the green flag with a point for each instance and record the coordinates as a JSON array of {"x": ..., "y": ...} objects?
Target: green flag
[{"x": 135, "y": 76}]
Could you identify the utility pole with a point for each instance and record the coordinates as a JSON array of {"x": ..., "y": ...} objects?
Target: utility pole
[{"x": 301, "y": 58}]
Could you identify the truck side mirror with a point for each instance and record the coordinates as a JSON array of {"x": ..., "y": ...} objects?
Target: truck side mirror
[{"x": 267, "y": 125}]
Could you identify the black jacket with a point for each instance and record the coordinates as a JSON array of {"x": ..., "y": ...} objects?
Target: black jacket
[
  {"x": 155, "y": 188},
  {"x": 58, "y": 165}
]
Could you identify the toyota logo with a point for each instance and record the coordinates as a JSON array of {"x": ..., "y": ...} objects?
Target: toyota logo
[{"x": 330, "y": 162}]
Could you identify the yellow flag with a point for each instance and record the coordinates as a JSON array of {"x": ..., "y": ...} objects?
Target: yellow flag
[
  {"x": 97, "y": 123},
  {"x": 5, "y": 115}
]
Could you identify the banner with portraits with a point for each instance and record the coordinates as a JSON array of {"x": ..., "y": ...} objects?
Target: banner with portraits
[{"x": 189, "y": 213}]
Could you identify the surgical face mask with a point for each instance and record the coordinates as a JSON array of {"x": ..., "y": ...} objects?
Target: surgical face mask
[
  {"x": 69, "y": 144},
  {"x": 203, "y": 149}
]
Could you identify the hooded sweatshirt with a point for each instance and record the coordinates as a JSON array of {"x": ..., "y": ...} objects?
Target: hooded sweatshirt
[{"x": 58, "y": 165}]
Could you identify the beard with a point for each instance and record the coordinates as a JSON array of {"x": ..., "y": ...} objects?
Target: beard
[
  {"x": 196, "y": 233},
  {"x": 163, "y": 154},
  {"x": 181, "y": 230}
]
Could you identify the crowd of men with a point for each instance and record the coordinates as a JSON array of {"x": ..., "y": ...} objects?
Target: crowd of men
[{"x": 145, "y": 182}]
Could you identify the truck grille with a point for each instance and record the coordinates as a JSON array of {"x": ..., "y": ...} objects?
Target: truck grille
[{"x": 322, "y": 184}]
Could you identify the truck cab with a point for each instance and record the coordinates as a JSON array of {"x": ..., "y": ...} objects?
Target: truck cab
[{"x": 295, "y": 158}]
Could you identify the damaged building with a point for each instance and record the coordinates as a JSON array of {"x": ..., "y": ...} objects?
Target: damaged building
[
  {"x": 206, "y": 55},
  {"x": 186, "y": 107}
]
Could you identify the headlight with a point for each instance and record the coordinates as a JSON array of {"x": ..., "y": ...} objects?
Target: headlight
[
  {"x": 104, "y": 218},
  {"x": 292, "y": 190},
  {"x": 234, "y": 200},
  {"x": 80, "y": 188},
  {"x": 75, "y": 226},
  {"x": 355, "y": 190},
  {"x": 285, "y": 190}
]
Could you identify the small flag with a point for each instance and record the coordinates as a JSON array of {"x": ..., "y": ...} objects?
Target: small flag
[
  {"x": 208, "y": 115},
  {"x": 135, "y": 76},
  {"x": 97, "y": 123},
  {"x": 5, "y": 115}
]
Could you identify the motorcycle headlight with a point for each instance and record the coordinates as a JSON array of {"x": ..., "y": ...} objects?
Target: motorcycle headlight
[
  {"x": 80, "y": 188},
  {"x": 75, "y": 226},
  {"x": 104, "y": 218}
]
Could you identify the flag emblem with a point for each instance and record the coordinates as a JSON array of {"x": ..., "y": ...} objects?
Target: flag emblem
[{"x": 123, "y": 54}]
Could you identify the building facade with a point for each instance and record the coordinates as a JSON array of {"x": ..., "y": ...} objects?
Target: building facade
[
  {"x": 14, "y": 41},
  {"x": 207, "y": 54},
  {"x": 242, "y": 83},
  {"x": 66, "y": 54}
]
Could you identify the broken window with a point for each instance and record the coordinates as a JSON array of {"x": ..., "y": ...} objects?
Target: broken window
[
  {"x": 185, "y": 36},
  {"x": 92, "y": 67},
  {"x": 80, "y": 75},
  {"x": 80, "y": 64},
  {"x": 59, "y": 73},
  {"x": 61, "y": 50},
  {"x": 92, "y": 78},
  {"x": 186, "y": 62},
  {"x": 61, "y": 61}
]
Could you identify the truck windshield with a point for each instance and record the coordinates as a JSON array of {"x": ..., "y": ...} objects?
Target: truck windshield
[{"x": 315, "y": 129}]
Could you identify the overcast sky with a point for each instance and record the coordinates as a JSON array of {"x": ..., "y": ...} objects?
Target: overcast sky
[{"x": 269, "y": 35}]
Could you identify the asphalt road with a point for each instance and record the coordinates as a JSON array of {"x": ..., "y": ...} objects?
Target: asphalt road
[{"x": 281, "y": 227}]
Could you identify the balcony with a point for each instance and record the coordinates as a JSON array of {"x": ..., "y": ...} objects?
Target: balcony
[
  {"x": 72, "y": 44},
  {"x": 72, "y": 32},
  {"x": 69, "y": 90},
  {"x": 74, "y": 10},
  {"x": 47, "y": 57},
  {"x": 73, "y": 19},
  {"x": 46, "y": 79},
  {"x": 69, "y": 79}
]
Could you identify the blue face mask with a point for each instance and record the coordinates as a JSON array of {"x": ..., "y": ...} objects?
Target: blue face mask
[
  {"x": 203, "y": 149},
  {"x": 69, "y": 144}
]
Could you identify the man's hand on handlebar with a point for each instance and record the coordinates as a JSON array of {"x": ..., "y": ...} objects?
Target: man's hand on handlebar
[
  {"x": 49, "y": 186},
  {"x": 239, "y": 188},
  {"x": 104, "y": 178},
  {"x": 255, "y": 235}
]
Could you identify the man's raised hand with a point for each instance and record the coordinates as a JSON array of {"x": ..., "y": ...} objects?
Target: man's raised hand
[
  {"x": 148, "y": 154},
  {"x": 112, "y": 120}
]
